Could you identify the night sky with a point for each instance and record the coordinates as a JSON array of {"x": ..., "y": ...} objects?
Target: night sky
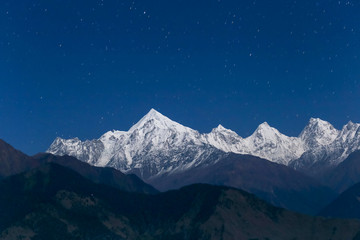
[{"x": 80, "y": 68}]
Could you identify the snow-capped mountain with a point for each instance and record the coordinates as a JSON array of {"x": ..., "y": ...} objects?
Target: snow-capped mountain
[
  {"x": 157, "y": 145},
  {"x": 318, "y": 133},
  {"x": 154, "y": 145},
  {"x": 265, "y": 142},
  {"x": 327, "y": 147}
]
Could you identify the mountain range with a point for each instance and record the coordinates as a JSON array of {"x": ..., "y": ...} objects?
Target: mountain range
[
  {"x": 13, "y": 162},
  {"x": 59, "y": 197},
  {"x": 277, "y": 184},
  {"x": 156, "y": 145},
  {"x": 104, "y": 195},
  {"x": 55, "y": 202}
]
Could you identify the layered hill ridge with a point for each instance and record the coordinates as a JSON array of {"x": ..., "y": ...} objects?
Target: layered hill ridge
[
  {"x": 54, "y": 202},
  {"x": 13, "y": 162},
  {"x": 277, "y": 184},
  {"x": 156, "y": 145}
]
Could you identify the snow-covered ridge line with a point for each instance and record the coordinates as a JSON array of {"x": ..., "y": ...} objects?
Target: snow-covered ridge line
[{"x": 157, "y": 145}]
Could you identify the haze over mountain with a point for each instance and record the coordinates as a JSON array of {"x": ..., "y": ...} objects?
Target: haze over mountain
[{"x": 157, "y": 145}]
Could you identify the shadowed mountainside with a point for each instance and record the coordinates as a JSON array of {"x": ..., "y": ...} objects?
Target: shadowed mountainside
[
  {"x": 347, "y": 205},
  {"x": 55, "y": 202},
  {"x": 275, "y": 183},
  {"x": 13, "y": 162},
  {"x": 104, "y": 175},
  {"x": 345, "y": 174}
]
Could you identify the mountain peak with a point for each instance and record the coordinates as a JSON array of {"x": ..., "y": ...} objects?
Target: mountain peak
[
  {"x": 313, "y": 119},
  {"x": 222, "y": 130},
  {"x": 154, "y": 119},
  {"x": 6, "y": 148},
  {"x": 12, "y": 161},
  {"x": 154, "y": 113},
  {"x": 265, "y": 130},
  {"x": 318, "y": 121},
  {"x": 156, "y": 145},
  {"x": 316, "y": 124},
  {"x": 351, "y": 127},
  {"x": 318, "y": 132},
  {"x": 220, "y": 127},
  {"x": 265, "y": 127},
  {"x": 349, "y": 124},
  {"x": 152, "y": 116}
]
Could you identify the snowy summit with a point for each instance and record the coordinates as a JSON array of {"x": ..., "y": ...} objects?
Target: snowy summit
[{"x": 158, "y": 145}]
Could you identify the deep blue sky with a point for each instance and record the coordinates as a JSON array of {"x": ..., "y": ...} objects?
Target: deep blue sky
[{"x": 80, "y": 68}]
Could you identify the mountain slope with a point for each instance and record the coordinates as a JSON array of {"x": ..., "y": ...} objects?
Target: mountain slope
[
  {"x": 346, "y": 174},
  {"x": 53, "y": 202},
  {"x": 321, "y": 158},
  {"x": 318, "y": 133},
  {"x": 266, "y": 142},
  {"x": 346, "y": 205},
  {"x": 157, "y": 145},
  {"x": 104, "y": 175},
  {"x": 13, "y": 161},
  {"x": 154, "y": 145},
  {"x": 275, "y": 183}
]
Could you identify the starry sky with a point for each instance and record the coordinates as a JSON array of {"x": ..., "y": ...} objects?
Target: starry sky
[{"x": 80, "y": 68}]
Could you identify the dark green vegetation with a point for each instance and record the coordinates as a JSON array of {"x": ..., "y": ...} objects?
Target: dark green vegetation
[
  {"x": 53, "y": 202},
  {"x": 275, "y": 183}
]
